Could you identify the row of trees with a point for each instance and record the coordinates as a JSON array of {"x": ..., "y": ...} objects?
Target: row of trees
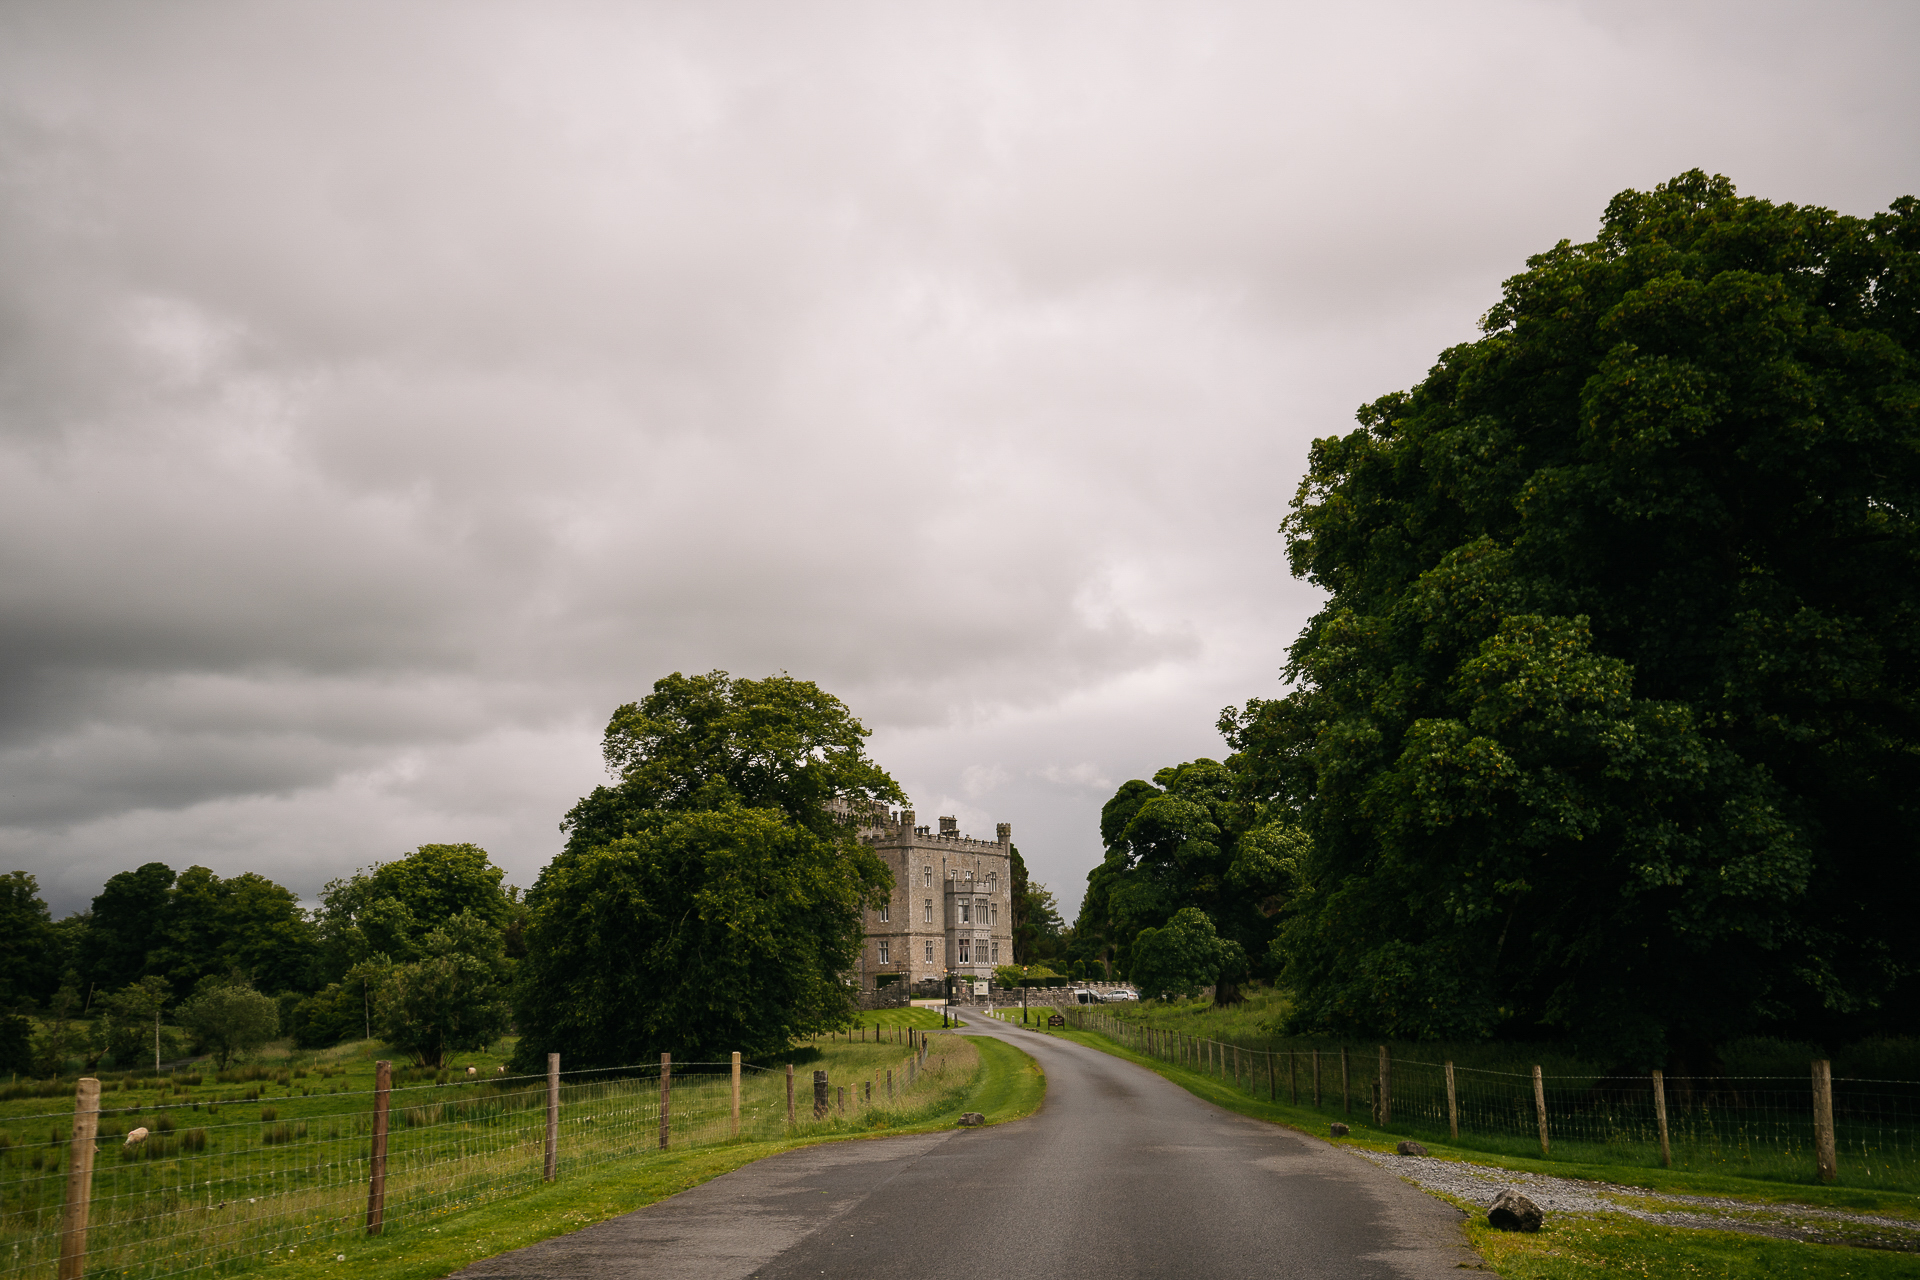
[
  {"x": 711, "y": 898},
  {"x": 1609, "y": 728},
  {"x": 420, "y": 950}
]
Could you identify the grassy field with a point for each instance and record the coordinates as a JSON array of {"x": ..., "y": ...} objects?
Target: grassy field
[
  {"x": 1584, "y": 1246},
  {"x": 266, "y": 1165}
]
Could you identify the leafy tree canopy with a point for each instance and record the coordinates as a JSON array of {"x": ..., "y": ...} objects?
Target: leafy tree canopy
[
  {"x": 1039, "y": 931},
  {"x": 128, "y": 919},
  {"x": 706, "y": 742},
  {"x": 390, "y": 908},
  {"x": 704, "y": 933},
  {"x": 28, "y": 952},
  {"x": 150, "y": 922},
  {"x": 229, "y": 1018},
  {"x": 712, "y": 898},
  {"x": 1191, "y": 838},
  {"x": 453, "y": 997},
  {"x": 1183, "y": 956},
  {"x": 1608, "y": 726}
]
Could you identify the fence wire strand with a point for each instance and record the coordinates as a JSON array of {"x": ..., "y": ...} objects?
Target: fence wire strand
[
  {"x": 205, "y": 1195},
  {"x": 1754, "y": 1126}
]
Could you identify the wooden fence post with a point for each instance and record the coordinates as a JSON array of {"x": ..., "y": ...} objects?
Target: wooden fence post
[
  {"x": 789, "y": 1093},
  {"x": 1293, "y": 1079},
  {"x": 1386, "y": 1091},
  {"x": 819, "y": 1094},
  {"x": 1316, "y": 1077},
  {"x": 1824, "y": 1155},
  {"x": 1453, "y": 1106},
  {"x": 1346, "y": 1092},
  {"x": 1660, "y": 1118},
  {"x": 736, "y": 1093},
  {"x": 666, "y": 1100},
  {"x": 377, "y": 1163},
  {"x": 73, "y": 1222},
  {"x": 553, "y": 1114},
  {"x": 1540, "y": 1108}
]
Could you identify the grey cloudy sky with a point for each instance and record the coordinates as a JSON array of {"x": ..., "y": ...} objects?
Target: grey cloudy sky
[{"x": 388, "y": 391}]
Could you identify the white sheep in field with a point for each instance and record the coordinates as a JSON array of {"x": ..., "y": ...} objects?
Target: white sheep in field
[
  {"x": 137, "y": 1137},
  {"x": 473, "y": 1071}
]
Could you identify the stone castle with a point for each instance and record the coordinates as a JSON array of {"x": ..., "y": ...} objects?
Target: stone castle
[{"x": 951, "y": 911}]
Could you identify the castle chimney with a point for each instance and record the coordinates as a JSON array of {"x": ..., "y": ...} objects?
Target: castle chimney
[
  {"x": 906, "y": 819},
  {"x": 949, "y": 826},
  {"x": 1004, "y": 833}
]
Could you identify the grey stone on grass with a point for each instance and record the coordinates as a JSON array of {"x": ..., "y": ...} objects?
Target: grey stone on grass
[
  {"x": 972, "y": 1119},
  {"x": 1411, "y": 1148},
  {"x": 1512, "y": 1211},
  {"x": 1340, "y": 1130}
]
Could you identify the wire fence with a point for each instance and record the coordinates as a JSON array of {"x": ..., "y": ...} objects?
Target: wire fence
[
  {"x": 187, "y": 1193},
  {"x": 1815, "y": 1127}
]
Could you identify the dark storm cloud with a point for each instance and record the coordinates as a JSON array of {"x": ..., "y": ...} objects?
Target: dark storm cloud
[{"x": 388, "y": 391}]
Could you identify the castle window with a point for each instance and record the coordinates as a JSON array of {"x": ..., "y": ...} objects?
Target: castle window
[
  {"x": 929, "y": 910},
  {"x": 926, "y": 875},
  {"x": 993, "y": 913},
  {"x": 929, "y": 953},
  {"x": 996, "y": 951},
  {"x": 969, "y": 875},
  {"x": 993, "y": 882},
  {"x": 966, "y": 951},
  {"x": 883, "y": 954},
  {"x": 883, "y": 915},
  {"x": 966, "y": 914}
]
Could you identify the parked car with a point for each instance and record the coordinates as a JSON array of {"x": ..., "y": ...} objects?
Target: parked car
[{"x": 1122, "y": 993}]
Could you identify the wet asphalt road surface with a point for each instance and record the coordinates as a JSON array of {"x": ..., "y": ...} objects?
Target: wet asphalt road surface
[{"x": 1119, "y": 1174}]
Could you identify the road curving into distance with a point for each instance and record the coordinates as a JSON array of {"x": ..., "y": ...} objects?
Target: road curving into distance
[{"x": 1120, "y": 1174}]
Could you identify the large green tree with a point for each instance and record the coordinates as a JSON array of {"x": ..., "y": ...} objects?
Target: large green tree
[
  {"x": 453, "y": 997},
  {"x": 1191, "y": 838},
  {"x": 1182, "y": 956},
  {"x": 128, "y": 920},
  {"x": 388, "y": 909},
  {"x": 29, "y": 955},
  {"x": 712, "y": 898},
  {"x": 1608, "y": 727},
  {"x": 213, "y": 926},
  {"x": 229, "y": 1018},
  {"x": 1039, "y": 932}
]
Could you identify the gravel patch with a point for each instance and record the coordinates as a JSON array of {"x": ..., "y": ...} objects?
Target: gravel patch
[{"x": 1479, "y": 1184}]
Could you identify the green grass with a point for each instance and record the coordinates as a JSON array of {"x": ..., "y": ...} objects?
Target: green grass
[
  {"x": 1584, "y": 1246},
  {"x": 1311, "y": 1121},
  {"x": 1005, "y": 1084},
  {"x": 1750, "y": 1128},
  {"x": 489, "y": 1197},
  {"x": 1574, "y": 1248}
]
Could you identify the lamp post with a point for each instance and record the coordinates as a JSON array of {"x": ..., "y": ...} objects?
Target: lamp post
[{"x": 1023, "y": 995}]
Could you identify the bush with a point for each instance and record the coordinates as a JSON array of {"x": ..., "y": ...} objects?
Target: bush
[{"x": 226, "y": 1020}]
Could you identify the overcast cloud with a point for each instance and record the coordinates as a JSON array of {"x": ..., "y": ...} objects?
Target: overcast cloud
[{"x": 388, "y": 391}]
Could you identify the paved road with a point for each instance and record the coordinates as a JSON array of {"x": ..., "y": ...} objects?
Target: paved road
[{"x": 1120, "y": 1174}]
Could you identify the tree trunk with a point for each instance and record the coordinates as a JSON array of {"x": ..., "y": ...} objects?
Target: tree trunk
[{"x": 1227, "y": 991}]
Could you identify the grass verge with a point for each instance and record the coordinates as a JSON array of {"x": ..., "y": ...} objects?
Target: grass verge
[
  {"x": 1005, "y": 1085},
  {"x": 1583, "y": 1245}
]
